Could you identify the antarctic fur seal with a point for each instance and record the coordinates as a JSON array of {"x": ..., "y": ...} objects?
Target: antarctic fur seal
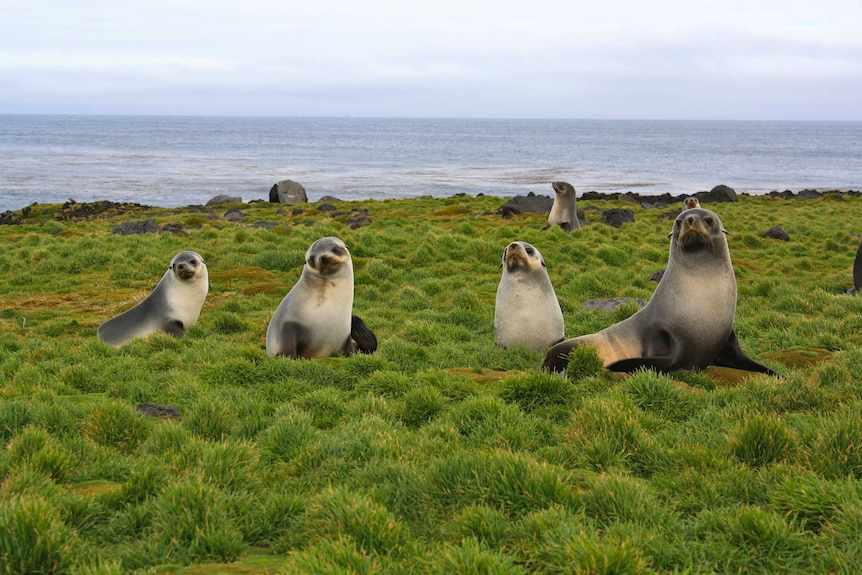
[
  {"x": 688, "y": 321},
  {"x": 315, "y": 318},
  {"x": 857, "y": 271},
  {"x": 564, "y": 211},
  {"x": 690, "y": 203},
  {"x": 527, "y": 313},
  {"x": 173, "y": 306}
]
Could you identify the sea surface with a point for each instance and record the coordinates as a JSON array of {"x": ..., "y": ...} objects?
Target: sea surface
[{"x": 172, "y": 161}]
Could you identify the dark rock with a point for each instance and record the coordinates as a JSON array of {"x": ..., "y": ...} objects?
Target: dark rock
[
  {"x": 328, "y": 199},
  {"x": 10, "y": 218},
  {"x": 656, "y": 277},
  {"x": 288, "y": 192},
  {"x": 358, "y": 219},
  {"x": 326, "y": 208},
  {"x": 530, "y": 203},
  {"x": 73, "y": 211},
  {"x": 616, "y": 217},
  {"x": 264, "y": 225},
  {"x": 160, "y": 411},
  {"x": 786, "y": 194},
  {"x": 296, "y": 211},
  {"x": 233, "y": 215},
  {"x": 224, "y": 199},
  {"x": 130, "y": 228},
  {"x": 809, "y": 194},
  {"x": 612, "y": 303},
  {"x": 720, "y": 193},
  {"x": 174, "y": 229},
  {"x": 777, "y": 233}
]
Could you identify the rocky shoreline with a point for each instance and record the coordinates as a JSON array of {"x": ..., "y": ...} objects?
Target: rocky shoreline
[{"x": 74, "y": 211}]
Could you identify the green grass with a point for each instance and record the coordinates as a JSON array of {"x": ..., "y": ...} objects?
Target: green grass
[{"x": 440, "y": 453}]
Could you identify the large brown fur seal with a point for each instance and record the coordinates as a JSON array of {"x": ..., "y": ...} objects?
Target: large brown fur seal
[{"x": 688, "y": 322}]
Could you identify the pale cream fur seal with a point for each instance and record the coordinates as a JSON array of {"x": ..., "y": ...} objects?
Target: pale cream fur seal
[
  {"x": 173, "y": 306},
  {"x": 527, "y": 313},
  {"x": 315, "y": 319},
  {"x": 564, "y": 211}
]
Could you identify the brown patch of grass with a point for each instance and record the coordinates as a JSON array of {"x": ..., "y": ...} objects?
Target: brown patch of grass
[
  {"x": 479, "y": 375},
  {"x": 799, "y": 357}
]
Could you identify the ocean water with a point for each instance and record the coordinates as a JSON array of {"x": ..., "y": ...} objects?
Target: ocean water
[{"x": 172, "y": 161}]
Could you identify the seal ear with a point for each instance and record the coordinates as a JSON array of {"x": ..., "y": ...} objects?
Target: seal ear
[
  {"x": 724, "y": 231},
  {"x": 543, "y": 263}
]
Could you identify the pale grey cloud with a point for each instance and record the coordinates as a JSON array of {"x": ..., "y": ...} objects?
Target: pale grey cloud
[{"x": 544, "y": 58}]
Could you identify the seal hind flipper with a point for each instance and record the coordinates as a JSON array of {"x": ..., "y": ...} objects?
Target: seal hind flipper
[
  {"x": 567, "y": 226},
  {"x": 731, "y": 355},
  {"x": 366, "y": 341}
]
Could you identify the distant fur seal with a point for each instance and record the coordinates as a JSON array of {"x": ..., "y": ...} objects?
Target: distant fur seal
[
  {"x": 527, "y": 313},
  {"x": 690, "y": 203},
  {"x": 315, "y": 317},
  {"x": 173, "y": 306},
  {"x": 564, "y": 212},
  {"x": 688, "y": 322}
]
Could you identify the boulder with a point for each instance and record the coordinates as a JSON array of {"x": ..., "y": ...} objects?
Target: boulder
[
  {"x": 720, "y": 193},
  {"x": 616, "y": 217},
  {"x": 358, "y": 219},
  {"x": 130, "y": 228},
  {"x": 224, "y": 199},
  {"x": 288, "y": 192},
  {"x": 529, "y": 203},
  {"x": 777, "y": 233}
]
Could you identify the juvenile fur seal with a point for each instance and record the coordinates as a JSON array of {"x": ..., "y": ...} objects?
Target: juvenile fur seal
[
  {"x": 173, "y": 306},
  {"x": 315, "y": 317},
  {"x": 564, "y": 212},
  {"x": 688, "y": 322},
  {"x": 690, "y": 203},
  {"x": 527, "y": 313}
]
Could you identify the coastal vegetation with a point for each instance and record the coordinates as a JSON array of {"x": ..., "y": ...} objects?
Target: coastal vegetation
[{"x": 439, "y": 453}]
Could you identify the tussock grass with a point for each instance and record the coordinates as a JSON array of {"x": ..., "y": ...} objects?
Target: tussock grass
[{"x": 440, "y": 453}]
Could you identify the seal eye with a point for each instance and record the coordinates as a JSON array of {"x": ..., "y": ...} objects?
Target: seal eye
[
  {"x": 529, "y": 251},
  {"x": 708, "y": 220},
  {"x": 338, "y": 250}
]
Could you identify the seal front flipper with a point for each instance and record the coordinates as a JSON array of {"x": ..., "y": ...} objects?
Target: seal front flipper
[
  {"x": 366, "y": 341},
  {"x": 290, "y": 340},
  {"x": 731, "y": 355},
  {"x": 175, "y": 328},
  {"x": 557, "y": 358}
]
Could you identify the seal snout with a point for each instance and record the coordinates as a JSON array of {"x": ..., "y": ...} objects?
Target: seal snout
[{"x": 185, "y": 271}]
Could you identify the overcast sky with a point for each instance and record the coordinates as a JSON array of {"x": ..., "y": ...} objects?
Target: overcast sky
[{"x": 627, "y": 59}]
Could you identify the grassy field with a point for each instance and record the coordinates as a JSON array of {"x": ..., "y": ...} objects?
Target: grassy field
[{"x": 440, "y": 453}]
